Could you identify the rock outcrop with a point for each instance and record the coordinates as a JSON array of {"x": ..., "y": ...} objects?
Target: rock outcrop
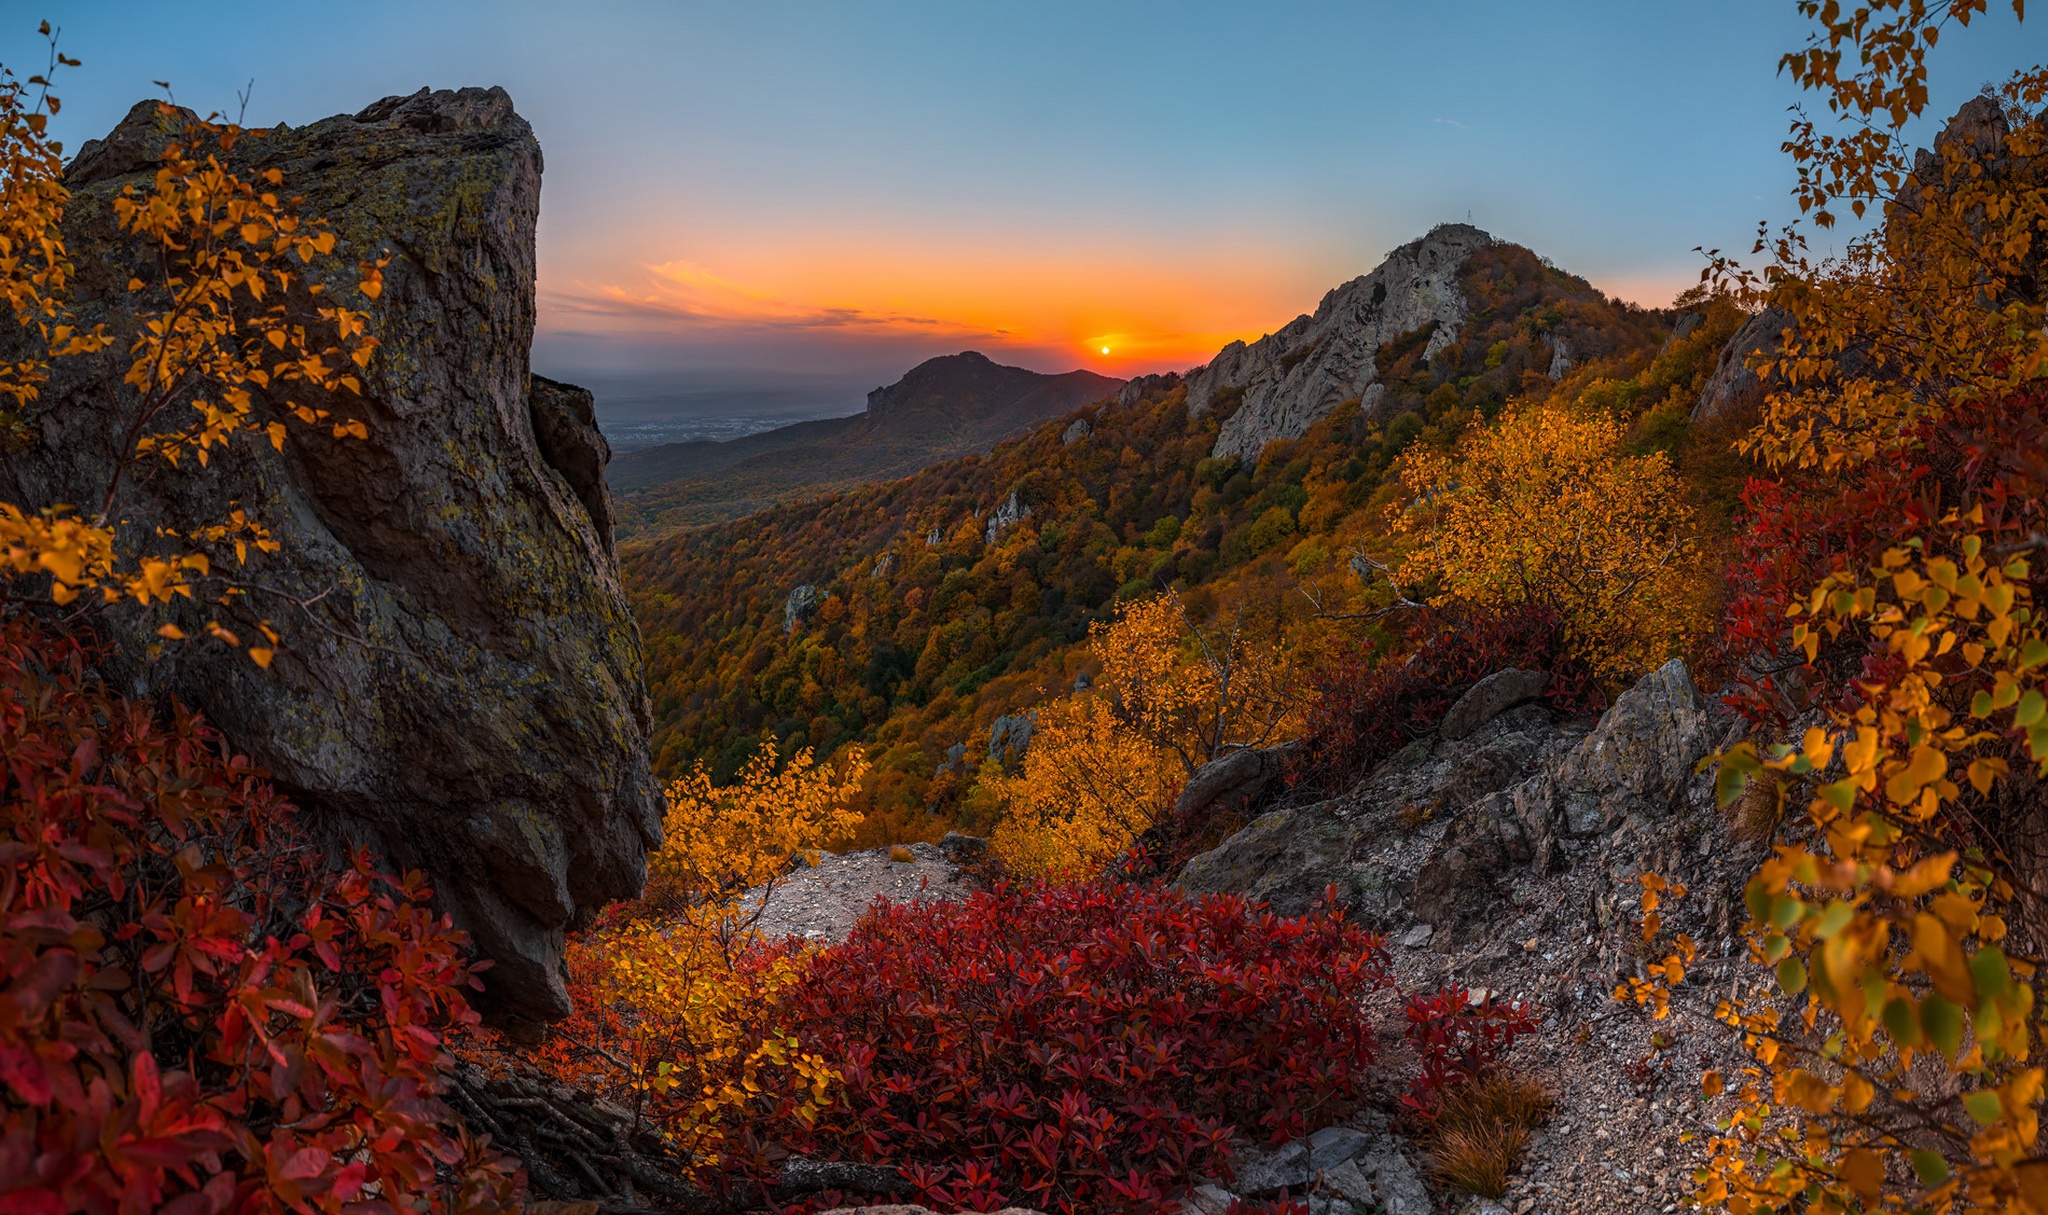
[
  {"x": 1007, "y": 514},
  {"x": 1734, "y": 389},
  {"x": 1491, "y": 697},
  {"x": 459, "y": 680},
  {"x": 1433, "y": 831},
  {"x": 799, "y": 606},
  {"x": 1290, "y": 379}
]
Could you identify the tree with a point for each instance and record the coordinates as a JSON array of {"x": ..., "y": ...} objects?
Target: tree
[
  {"x": 229, "y": 332},
  {"x": 1900, "y": 915},
  {"x": 672, "y": 992},
  {"x": 1172, "y": 695},
  {"x": 1545, "y": 508}
]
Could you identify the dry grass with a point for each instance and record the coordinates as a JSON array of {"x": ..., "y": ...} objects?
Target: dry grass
[
  {"x": 901, "y": 855},
  {"x": 1482, "y": 1129},
  {"x": 1757, "y": 813}
]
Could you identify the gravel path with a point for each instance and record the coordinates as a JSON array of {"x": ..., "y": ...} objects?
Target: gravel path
[{"x": 822, "y": 903}]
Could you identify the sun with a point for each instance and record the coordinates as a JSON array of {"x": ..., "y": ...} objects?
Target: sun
[{"x": 1105, "y": 350}]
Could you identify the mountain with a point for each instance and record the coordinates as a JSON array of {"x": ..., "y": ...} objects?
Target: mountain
[
  {"x": 910, "y": 616},
  {"x": 945, "y": 407}
]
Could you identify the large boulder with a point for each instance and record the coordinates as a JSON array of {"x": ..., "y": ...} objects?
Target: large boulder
[
  {"x": 1734, "y": 390},
  {"x": 459, "y": 682}
]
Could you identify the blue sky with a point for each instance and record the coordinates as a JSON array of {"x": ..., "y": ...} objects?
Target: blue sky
[{"x": 728, "y": 183}]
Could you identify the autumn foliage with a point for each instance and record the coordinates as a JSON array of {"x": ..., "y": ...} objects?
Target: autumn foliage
[
  {"x": 203, "y": 1012},
  {"x": 1545, "y": 508},
  {"x": 1082, "y": 1048},
  {"x": 226, "y": 336}
]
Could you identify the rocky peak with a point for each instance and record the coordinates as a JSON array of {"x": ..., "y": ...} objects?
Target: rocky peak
[
  {"x": 459, "y": 682},
  {"x": 1290, "y": 379}
]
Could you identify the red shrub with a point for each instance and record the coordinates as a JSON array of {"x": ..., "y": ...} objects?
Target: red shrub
[
  {"x": 200, "y": 1013},
  {"x": 1793, "y": 531},
  {"x": 1368, "y": 706},
  {"x": 1081, "y": 1048},
  {"x": 1459, "y": 1041}
]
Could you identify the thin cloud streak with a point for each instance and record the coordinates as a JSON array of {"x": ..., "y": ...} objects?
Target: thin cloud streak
[{"x": 684, "y": 294}]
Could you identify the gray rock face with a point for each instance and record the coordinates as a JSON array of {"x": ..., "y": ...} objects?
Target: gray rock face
[
  {"x": 1435, "y": 829},
  {"x": 1009, "y": 736},
  {"x": 1009, "y": 514},
  {"x": 1734, "y": 389},
  {"x": 1234, "y": 779},
  {"x": 459, "y": 681},
  {"x": 1637, "y": 763},
  {"x": 1148, "y": 387},
  {"x": 1560, "y": 358},
  {"x": 801, "y": 604},
  {"x": 1490, "y": 697},
  {"x": 1077, "y": 431},
  {"x": 1292, "y": 378}
]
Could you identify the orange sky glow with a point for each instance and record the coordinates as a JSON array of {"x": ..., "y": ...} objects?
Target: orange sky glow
[{"x": 1051, "y": 313}]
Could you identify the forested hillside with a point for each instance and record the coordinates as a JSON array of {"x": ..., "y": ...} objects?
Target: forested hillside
[
  {"x": 950, "y": 598},
  {"x": 954, "y": 405}
]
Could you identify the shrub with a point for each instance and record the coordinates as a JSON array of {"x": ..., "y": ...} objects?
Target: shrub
[
  {"x": 204, "y": 1014},
  {"x": 1460, "y": 1041},
  {"x": 1545, "y": 506},
  {"x": 1364, "y": 707},
  {"x": 1080, "y": 1048}
]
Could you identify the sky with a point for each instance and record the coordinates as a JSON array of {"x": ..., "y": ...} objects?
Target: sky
[{"x": 771, "y": 206}]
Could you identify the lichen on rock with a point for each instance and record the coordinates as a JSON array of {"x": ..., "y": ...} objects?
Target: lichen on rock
[{"x": 460, "y": 681}]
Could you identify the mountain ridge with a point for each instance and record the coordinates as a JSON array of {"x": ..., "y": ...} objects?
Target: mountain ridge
[{"x": 945, "y": 407}]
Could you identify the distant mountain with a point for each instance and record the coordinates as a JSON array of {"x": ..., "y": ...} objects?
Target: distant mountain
[{"x": 951, "y": 406}]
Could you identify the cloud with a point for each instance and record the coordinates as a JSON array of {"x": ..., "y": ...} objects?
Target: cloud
[
  {"x": 684, "y": 295},
  {"x": 1449, "y": 122}
]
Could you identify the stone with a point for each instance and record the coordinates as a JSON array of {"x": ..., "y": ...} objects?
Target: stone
[
  {"x": 1418, "y": 936},
  {"x": 1733, "y": 390},
  {"x": 1234, "y": 780},
  {"x": 802, "y": 604},
  {"x": 1347, "y": 1180},
  {"x": 1009, "y": 737},
  {"x": 1148, "y": 388},
  {"x": 934, "y": 539},
  {"x": 959, "y": 846},
  {"x": 1009, "y": 514},
  {"x": 1560, "y": 358},
  {"x": 1334, "y": 1145},
  {"x": 1284, "y": 1167},
  {"x": 1490, "y": 697},
  {"x": 459, "y": 680},
  {"x": 1396, "y": 1186},
  {"x": 1287, "y": 381},
  {"x": 1208, "y": 1200},
  {"x": 1637, "y": 762},
  {"x": 1077, "y": 431},
  {"x": 882, "y": 566}
]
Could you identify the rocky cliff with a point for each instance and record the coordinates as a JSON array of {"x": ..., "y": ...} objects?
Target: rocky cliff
[
  {"x": 1288, "y": 380},
  {"x": 459, "y": 680}
]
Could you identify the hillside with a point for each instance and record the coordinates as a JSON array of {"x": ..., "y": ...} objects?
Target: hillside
[
  {"x": 941, "y": 409},
  {"x": 950, "y": 598}
]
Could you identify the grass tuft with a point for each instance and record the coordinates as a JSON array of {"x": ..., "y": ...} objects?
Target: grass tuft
[{"x": 1482, "y": 1129}]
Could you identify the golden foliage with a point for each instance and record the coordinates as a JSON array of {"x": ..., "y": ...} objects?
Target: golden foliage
[
  {"x": 678, "y": 991},
  {"x": 1171, "y": 696},
  {"x": 720, "y": 841},
  {"x": 1088, "y": 785},
  {"x": 1941, "y": 305},
  {"x": 226, "y": 330},
  {"x": 1906, "y": 1080},
  {"x": 1544, "y": 506}
]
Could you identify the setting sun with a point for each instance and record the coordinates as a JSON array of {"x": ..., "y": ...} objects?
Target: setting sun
[{"x": 1105, "y": 350}]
